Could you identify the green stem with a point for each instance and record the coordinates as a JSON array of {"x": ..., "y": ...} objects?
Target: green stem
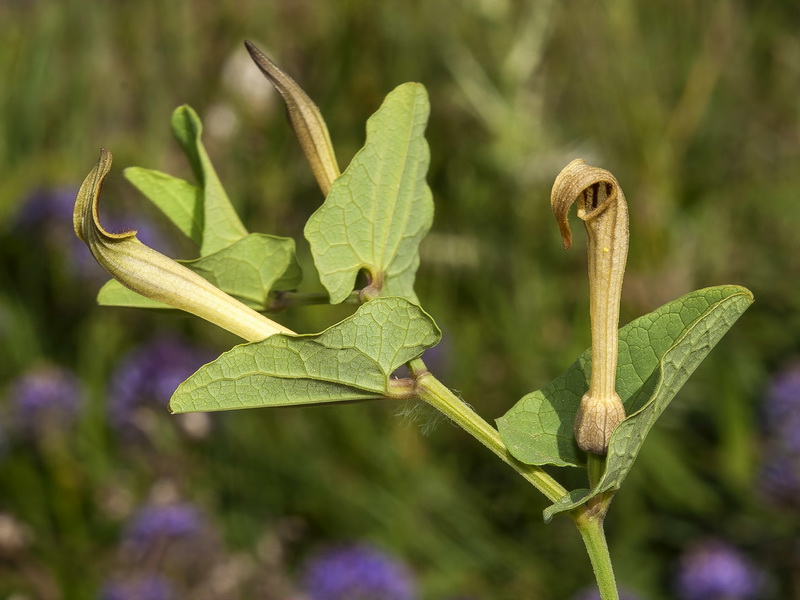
[
  {"x": 591, "y": 530},
  {"x": 435, "y": 393},
  {"x": 282, "y": 300},
  {"x": 595, "y": 466},
  {"x": 588, "y": 518}
]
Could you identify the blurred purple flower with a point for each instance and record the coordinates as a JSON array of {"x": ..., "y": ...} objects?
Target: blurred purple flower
[
  {"x": 782, "y": 409},
  {"x": 149, "y": 587},
  {"x": 594, "y": 594},
  {"x": 779, "y": 478},
  {"x": 357, "y": 572},
  {"x": 45, "y": 397},
  {"x": 48, "y": 210},
  {"x": 439, "y": 358},
  {"x": 155, "y": 524},
  {"x": 47, "y": 207},
  {"x": 714, "y": 570},
  {"x": 150, "y": 374}
]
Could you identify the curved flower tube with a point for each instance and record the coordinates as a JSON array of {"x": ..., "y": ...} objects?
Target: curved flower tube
[{"x": 156, "y": 276}]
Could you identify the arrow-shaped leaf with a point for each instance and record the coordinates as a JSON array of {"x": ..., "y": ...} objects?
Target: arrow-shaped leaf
[
  {"x": 352, "y": 360},
  {"x": 380, "y": 208},
  {"x": 658, "y": 353},
  {"x": 248, "y": 270},
  {"x": 221, "y": 224},
  {"x": 178, "y": 199}
]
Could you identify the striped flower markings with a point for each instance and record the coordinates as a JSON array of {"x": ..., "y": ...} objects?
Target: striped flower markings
[{"x": 604, "y": 211}]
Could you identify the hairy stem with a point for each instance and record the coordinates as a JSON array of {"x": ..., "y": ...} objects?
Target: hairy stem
[
  {"x": 438, "y": 395},
  {"x": 587, "y": 518}
]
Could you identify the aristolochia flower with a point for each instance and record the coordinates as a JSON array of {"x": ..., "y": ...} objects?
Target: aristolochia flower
[
  {"x": 156, "y": 276},
  {"x": 604, "y": 211}
]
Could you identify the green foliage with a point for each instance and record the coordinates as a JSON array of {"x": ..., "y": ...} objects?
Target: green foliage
[
  {"x": 246, "y": 266},
  {"x": 248, "y": 270},
  {"x": 203, "y": 213},
  {"x": 178, "y": 199},
  {"x": 658, "y": 353},
  {"x": 380, "y": 208},
  {"x": 373, "y": 219},
  {"x": 221, "y": 224},
  {"x": 352, "y": 360},
  {"x": 509, "y": 86}
]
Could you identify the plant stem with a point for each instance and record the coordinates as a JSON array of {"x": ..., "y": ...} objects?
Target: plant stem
[
  {"x": 588, "y": 518},
  {"x": 595, "y": 466},
  {"x": 438, "y": 395},
  {"x": 283, "y": 300},
  {"x": 590, "y": 527}
]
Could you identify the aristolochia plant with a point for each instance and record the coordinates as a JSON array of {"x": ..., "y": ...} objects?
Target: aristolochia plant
[{"x": 374, "y": 216}]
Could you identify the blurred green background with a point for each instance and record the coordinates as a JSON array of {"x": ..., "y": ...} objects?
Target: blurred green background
[{"x": 692, "y": 105}]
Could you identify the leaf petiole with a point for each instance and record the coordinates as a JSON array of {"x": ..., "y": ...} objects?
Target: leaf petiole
[{"x": 286, "y": 299}]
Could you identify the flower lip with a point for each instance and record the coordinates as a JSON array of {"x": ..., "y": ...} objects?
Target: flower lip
[{"x": 582, "y": 182}]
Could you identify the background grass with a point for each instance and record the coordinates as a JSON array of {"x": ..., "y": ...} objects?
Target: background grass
[{"x": 694, "y": 107}]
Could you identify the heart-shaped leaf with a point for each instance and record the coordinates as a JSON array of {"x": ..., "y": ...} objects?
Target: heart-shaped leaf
[
  {"x": 247, "y": 270},
  {"x": 380, "y": 208},
  {"x": 657, "y": 354},
  {"x": 353, "y": 360}
]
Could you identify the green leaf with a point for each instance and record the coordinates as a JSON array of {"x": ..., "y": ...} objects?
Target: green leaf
[
  {"x": 178, "y": 199},
  {"x": 352, "y": 360},
  {"x": 113, "y": 293},
  {"x": 156, "y": 276},
  {"x": 380, "y": 208},
  {"x": 221, "y": 224},
  {"x": 247, "y": 270},
  {"x": 657, "y": 354},
  {"x": 251, "y": 268}
]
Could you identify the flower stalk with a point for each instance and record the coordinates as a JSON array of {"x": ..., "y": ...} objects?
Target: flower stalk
[{"x": 604, "y": 211}]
